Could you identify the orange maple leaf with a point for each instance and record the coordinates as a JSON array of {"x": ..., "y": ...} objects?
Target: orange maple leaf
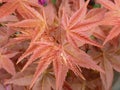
[
  {"x": 78, "y": 23},
  {"x": 112, "y": 17},
  {"x": 6, "y": 63}
]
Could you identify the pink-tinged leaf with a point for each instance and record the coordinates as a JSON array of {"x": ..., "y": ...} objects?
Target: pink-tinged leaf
[
  {"x": 22, "y": 78},
  {"x": 28, "y": 34},
  {"x": 112, "y": 34},
  {"x": 10, "y": 55},
  {"x": 22, "y": 81},
  {"x": 52, "y": 81},
  {"x": 39, "y": 32},
  {"x": 108, "y": 4},
  {"x": 33, "y": 3},
  {"x": 3, "y": 36},
  {"x": 24, "y": 12},
  {"x": 16, "y": 87},
  {"x": 23, "y": 36},
  {"x": 95, "y": 14},
  {"x": 67, "y": 86},
  {"x": 28, "y": 12},
  {"x": 81, "y": 3},
  {"x": 60, "y": 72},
  {"x": 98, "y": 33},
  {"x": 115, "y": 14},
  {"x": 8, "y": 8},
  {"x": 76, "y": 30},
  {"x": 35, "y": 47},
  {"x": 64, "y": 6},
  {"x": 111, "y": 18},
  {"x": 42, "y": 66},
  {"x": 29, "y": 23},
  {"x": 29, "y": 51},
  {"x": 50, "y": 13},
  {"x": 75, "y": 68},
  {"x": 74, "y": 84},
  {"x": 83, "y": 39},
  {"x": 45, "y": 85},
  {"x": 7, "y": 64},
  {"x": 7, "y": 0},
  {"x": 117, "y": 2},
  {"x": 109, "y": 21},
  {"x": 107, "y": 77},
  {"x": 64, "y": 20},
  {"x": 81, "y": 58},
  {"x": 9, "y": 18},
  {"x": 115, "y": 62},
  {"x": 79, "y": 15},
  {"x": 73, "y": 41},
  {"x": 34, "y": 12},
  {"x": 46, "y": 82},
  {"x": 42, "y": 51},
  {"x": 94, "y": 83},
  {"x": 85, "y": 25}
]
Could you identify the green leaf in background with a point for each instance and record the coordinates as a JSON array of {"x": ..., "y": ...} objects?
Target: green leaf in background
[
  {"x": 92, "y": 37},
  {"x": 97, "y": 6},
  {"x": 53, "y": 1}
]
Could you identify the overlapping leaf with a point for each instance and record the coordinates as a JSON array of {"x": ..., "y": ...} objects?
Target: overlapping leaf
[
  {"x": 108, "y": 60},
  {"x": 63, "y": 59},
  {"x": 79, "y": 22},
  {"x": 112, "y": 15},
  {"x": 6, "y": 63},
  {"x": 39, "y": 27},
  {"x": 23, "y": 8}
]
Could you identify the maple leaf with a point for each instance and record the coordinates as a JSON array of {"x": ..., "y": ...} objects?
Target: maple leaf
[
  {"x": 5, "y": 33},
  {"x": 78, "y": 23},
  {"x": 21, "y": 81},
  {"x": 113, "y": 16},
  {"x": 36, "y": 19},
  {"x": 23, "y": 35},
  {"x": 23, "y": 7},
  {"x": 6, "y": 63},
  {"x": 8, "y": 8},
  {"x": 107, "y": 78},
  {"x": 3, "y": 36},
  {"x": 38, "y": 22},
  {"x": 22, "y": 78},
  {"x": 46, "y": 79},
  {"x": 50, "y": 14},
  {"x": 57, "y": 47},
  {"x": 44, "y": 51},
  {"x": 10, "y": 18},
  {"x": 62, "y": 58},
  {"x": 108, "y": 60},
  {"x": 99, "y": 33},
  {"x": 47, "y": 52}
]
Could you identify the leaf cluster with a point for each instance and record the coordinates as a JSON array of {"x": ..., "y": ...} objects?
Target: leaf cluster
[{"x": 59, "y": 44}]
